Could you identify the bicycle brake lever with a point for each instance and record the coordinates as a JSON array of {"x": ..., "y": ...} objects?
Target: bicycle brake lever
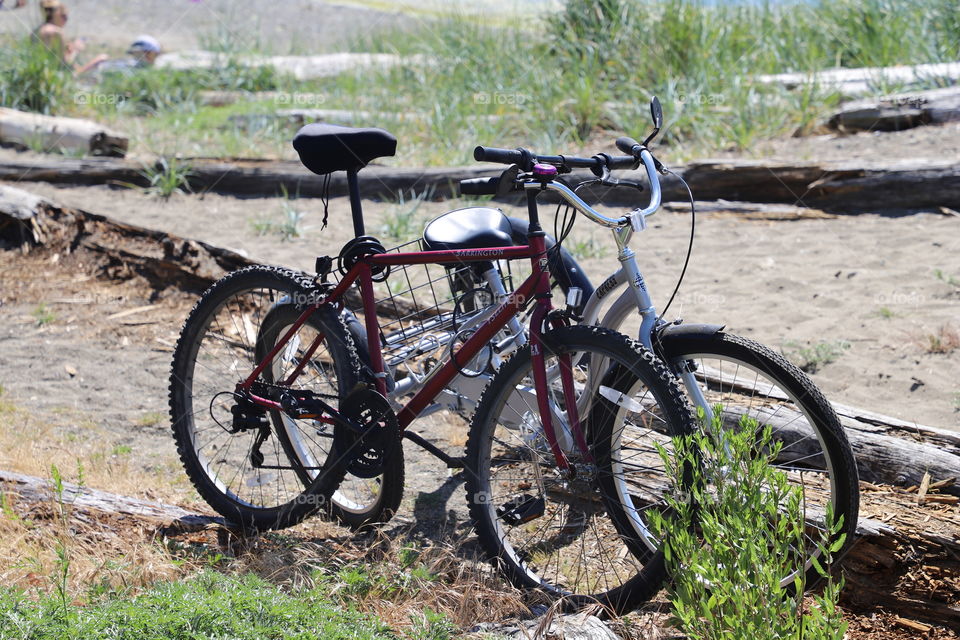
[
  {"x": 614, "y": 182},
  {"x": 508, "y": 181}
]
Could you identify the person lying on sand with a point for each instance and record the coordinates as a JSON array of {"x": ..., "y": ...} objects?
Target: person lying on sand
[
  {"x": 51, "y": 34},
  {"x": 143, "y": 53}
]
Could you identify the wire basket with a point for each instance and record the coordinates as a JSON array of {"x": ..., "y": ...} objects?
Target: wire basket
[{"x": 422, "y": 307}]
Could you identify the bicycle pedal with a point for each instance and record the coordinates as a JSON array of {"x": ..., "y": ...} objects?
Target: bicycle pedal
[{"x": 522, "y": 509}]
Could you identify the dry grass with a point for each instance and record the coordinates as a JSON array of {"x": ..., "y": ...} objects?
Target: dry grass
[
  {"x": 42, "y": 549},
  {"x": 944, "y": 340},
  {"x": 86, "y": 453}
]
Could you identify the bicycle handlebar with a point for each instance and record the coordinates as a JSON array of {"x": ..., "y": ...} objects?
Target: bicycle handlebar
[
  {"x": 525, "y": 159},
  {"x": 599, "y": 164}
]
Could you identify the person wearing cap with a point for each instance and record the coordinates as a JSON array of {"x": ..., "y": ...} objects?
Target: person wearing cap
[
  {"x": 145, "y": 50},
  {"x": 51, "y": 34},
  {"x": 143, "y": 53}
]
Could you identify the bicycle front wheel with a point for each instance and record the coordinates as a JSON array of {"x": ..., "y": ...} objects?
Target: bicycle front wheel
[
  {"x": 556, "y": 531},
  {"x": 744, "y": 379}
]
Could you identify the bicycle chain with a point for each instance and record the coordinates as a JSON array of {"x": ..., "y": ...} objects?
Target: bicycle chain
[{"x": 282, "y": 388}]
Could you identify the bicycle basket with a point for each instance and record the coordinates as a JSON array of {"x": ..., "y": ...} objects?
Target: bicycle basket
[{"x": 422, "y": 307}]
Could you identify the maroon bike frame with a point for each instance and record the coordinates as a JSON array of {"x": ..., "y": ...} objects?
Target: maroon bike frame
[{"x": 537, "y": 286}]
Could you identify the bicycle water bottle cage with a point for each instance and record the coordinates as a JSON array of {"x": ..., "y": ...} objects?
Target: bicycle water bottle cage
[{"x": 360, "y": 248}]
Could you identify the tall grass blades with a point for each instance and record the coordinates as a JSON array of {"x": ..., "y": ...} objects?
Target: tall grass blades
[
  {"x": 33, "y": 78},
  {"x": 732, "y": 541}
]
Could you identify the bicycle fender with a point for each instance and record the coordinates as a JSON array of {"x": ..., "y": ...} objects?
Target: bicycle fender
[{"x": 667, "y": 335}]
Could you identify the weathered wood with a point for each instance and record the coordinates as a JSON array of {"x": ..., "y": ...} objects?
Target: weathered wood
[
  {"x": 899, "y": 111},
  {"x": 33, "y": 489},
  {"x": 299, "y": 117},
  {"x": 832, "y": 187},
  {"x": 565, "y": 627},
  {"x": 121, "y": 250},
  {"x": 750, "y": 210},
  {"x": 860, "y": 81},
  {"x": 55, "y": 133},
  {"x": 225, "y": 98},
  {"x": 300, "y": 67},
  {"x": 888, "y": 450},
  {"x": 246, "y": 177}
]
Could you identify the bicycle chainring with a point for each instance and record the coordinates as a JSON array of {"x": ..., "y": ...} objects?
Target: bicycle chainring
[{"x": 370, "y": 450}]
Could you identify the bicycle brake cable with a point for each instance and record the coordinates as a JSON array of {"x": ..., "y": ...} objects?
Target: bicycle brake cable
[{"x": 693, "y": 226}]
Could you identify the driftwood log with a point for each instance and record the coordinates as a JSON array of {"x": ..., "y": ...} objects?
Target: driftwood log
[
  {"x": 244, "y": 177},
  {"x": 832, "y": 187},
  {"x": 906, "y": 558},
  {"x": 860, "y": 81},
  {"x": 54, "y": 133},
  {"x": 300, "y": 67},
  {"x": 121, "y": 251},
  {"x": 899, "y": 111},
  {"x": 32, "y": 489},
  {"x": 888, "y": 450}
]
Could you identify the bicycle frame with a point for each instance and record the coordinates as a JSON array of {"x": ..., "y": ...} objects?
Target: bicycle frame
[{"x": 536, "y": 287}]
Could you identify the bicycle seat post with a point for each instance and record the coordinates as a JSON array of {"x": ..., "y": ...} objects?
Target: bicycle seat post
[{"x": 355, "y": 207}]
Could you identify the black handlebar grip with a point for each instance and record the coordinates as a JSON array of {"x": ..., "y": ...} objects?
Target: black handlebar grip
[
  {"x": 628, "y": 145},
  {"x": 621, "y": 162},
  {"x": 492, "y": 154},
  {"x": 479, "y": 187}
]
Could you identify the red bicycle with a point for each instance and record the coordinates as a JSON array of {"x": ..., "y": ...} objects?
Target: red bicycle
[{"x": 272, "y": 407}]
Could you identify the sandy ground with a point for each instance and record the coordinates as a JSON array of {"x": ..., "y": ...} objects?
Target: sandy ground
[{"x": 867, "y": 285}]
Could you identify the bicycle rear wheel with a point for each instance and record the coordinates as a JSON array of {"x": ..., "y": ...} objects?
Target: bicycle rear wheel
[
  {"x": 559, "y": 533},
  {"x": 253, "y": 472},
  {"x": 358, "y": 502}
]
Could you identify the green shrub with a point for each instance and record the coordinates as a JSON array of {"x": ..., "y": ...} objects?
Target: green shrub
[
  {"x": 730, "y": 544},
  {"x": 32, "y": 78}
]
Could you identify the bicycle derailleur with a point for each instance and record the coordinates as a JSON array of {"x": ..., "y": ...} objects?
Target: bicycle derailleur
[{"x": 365, "y": 429}]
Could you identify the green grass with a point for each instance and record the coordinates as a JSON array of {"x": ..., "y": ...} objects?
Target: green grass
[
  {"x": 210, "y": 605},
  {"x": 43, "y": 315},
  {"x": 151, "y": 418},
  {"x": 288, "y": 224},
  {"x": 946, "y": 278},
  {"x": 588, "y": 247},
  {"x": 167, "y": 177},
  {"x": 403, "y": 222},
  {"x": 813, "y": 357},
  {"x": 32, "y": 78}
]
